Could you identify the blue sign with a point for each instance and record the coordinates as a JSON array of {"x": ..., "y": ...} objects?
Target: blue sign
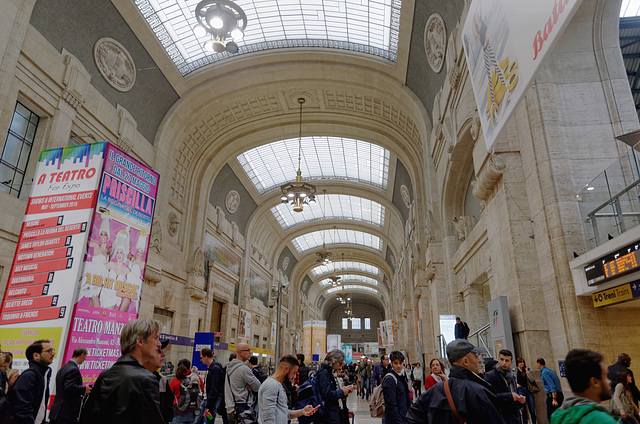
[
  {"x": 177, "y": 340},
  {"x": 202, "y": 340},
  {"x": 563, "y": 369}
]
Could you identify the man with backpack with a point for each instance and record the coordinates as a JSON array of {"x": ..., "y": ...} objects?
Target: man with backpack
[
  {"x": 186, "y": 391},
  {"x": 213, "y": 386},
  {"x": 395, "y": 390}
]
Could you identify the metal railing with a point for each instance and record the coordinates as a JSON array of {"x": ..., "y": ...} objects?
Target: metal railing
[{"x": 481, "y": 337}]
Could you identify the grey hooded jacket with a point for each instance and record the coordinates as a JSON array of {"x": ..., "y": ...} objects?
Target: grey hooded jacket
[{"x": 240, "y": 376}]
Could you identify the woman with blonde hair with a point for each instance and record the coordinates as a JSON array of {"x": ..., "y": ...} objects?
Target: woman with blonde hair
[{"x": 437, "y": 374}]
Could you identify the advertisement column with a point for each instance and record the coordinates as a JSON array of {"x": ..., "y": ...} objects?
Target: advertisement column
[
  {"x": 89, "y": 199},
  {"x": 110, "y": 285},
  {"x": 39, "y": 296}
]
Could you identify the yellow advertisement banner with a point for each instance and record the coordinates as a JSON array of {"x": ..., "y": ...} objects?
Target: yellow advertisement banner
[
  {"x": 306, "y": 340},
  {"x": 16, "y": 340},
  {"x": 319, "y": 339}
]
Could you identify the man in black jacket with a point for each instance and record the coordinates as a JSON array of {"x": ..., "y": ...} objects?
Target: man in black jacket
[
  {"x": 213, "y": 386},
  {"x": 623, "y": 364},
  {"x": 395, "y": 390},
  {"x": 472, "y": 397},
  {"x": 504, "y": 382},
  {"x": 127, "y": 393},
  {"x": 30, "y": 393},
  {"x": 303, "y": 370},
  {"x": 69, "y": 390}
]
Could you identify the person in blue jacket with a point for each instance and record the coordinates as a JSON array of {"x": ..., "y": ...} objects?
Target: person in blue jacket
[
  {"x": 328, "y": 387},
  {"x": 395, "y": 390}
]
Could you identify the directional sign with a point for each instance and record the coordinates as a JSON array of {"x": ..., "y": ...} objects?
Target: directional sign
[{"x": 618, "y": 294}]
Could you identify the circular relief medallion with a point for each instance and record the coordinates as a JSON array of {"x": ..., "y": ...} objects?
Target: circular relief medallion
[
  {"x": 115, "y": 64},
  {"x": 406, "y": 197},
  {"x": 285, "y": 263},
  {"x": 435, "y": 42},
  {"x": 232, "y": 201}
]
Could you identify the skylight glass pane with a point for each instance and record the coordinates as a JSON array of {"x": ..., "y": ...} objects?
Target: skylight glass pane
[
  {"x": 630, "y": 8},
  {"x": 350, "y": 278},
  {"x": 352, "y": 288},
  {"x": 271, "y": 165},
  {"x": 340, "y": 206},
  {"x": 345, "y": 265},
  {"x": 312, "y": 240},
  {"x": 365, "y": 26}
]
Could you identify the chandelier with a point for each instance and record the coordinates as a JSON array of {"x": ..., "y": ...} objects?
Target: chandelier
[
  {"x": 299, "y": 193},
  {"x": 335, "y": 280},
  {"x": 222, "y": 20}
]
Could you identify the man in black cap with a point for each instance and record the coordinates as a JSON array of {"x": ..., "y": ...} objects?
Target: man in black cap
[{"x": 465, "y": 396}]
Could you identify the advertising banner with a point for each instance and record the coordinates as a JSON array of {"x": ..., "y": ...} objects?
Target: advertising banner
[
  {"x": 244, "y": 324},
  {"x": 334, "y": 341},
  {"x": 348, "y": 353},
  {"x": 40, "y": 290},
  {"x": 274, "y": 332},
  {"x": 501, "y": 335},
  {"x": 386, "y": 330},
  {"x": 506, "y": 43},
  {"x": 319, "y": 338},
  {"x": 110, "y": 285},
  {"x": 448, "y": 327},
  {"x": 306, "y": 339}
]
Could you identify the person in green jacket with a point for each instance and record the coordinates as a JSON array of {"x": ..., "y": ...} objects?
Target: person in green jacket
[{"x": 587, "y": 375}]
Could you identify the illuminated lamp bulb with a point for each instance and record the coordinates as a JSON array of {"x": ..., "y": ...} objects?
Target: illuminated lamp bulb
[
  {"x": 237, "y": 34},
  {"x": 199, "y": 30},
  {"x": 216, "y": 21}
]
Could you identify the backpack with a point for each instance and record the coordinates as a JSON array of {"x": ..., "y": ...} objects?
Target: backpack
[
  {"x": 376, "y": 407},
  {"x": 189, "y": 399},
  {"x": 308, "y": 394}
]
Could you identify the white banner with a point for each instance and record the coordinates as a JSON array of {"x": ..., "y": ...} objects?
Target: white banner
[{"x": 506, "y": 43}]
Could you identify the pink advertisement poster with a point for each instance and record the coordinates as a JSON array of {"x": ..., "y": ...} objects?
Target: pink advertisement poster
[{"x": 110, "y": 286}]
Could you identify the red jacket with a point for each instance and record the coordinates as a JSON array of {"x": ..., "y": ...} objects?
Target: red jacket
[
  {"x": 175, "y": 388},
  {"x": 429, "y": 382}
]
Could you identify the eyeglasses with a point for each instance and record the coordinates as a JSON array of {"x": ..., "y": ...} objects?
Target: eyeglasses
[
  {"x": 51, "y": 351},
  {"x": 246, "y": 350}
]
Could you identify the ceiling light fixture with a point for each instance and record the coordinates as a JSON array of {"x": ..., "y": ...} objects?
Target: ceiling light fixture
[
  {"x": 298, "y": 193},
  {"x": 222, "y": 20}
]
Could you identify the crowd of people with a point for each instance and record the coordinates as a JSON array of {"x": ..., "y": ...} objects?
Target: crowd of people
[{"x": 133, "y": 391}]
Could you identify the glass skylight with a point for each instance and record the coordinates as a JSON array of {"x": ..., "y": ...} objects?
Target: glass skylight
[
  {"x": 345, "y": 265},
  {"x": 630, "y": 8},
  {"x": 271, "y": 165},
  {"x": 352, "y": 288},
  {"x": 314, "y": 239},
  {"x": 351, "y": 278},
  {"x": 370, "y": 26},
  {"x": 340, "y": 206}
]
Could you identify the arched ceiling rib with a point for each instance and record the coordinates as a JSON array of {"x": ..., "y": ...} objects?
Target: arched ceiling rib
[
  {"x": 349, "y": 278},
  {"x": 315, "y": 239}
]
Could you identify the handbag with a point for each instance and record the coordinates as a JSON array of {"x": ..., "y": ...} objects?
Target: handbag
[
  {"x": 243, "y": 412},
  {"x": 532, "y": 385}
]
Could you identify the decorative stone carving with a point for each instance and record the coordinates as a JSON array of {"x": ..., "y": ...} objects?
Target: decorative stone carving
[
  {"x": 173, "y": 224},
  {"x": 155, "y": 241},
  {"x": 126, "y": 129},
  {"x": 429, "y": 227},
  {"x": 435, "y": 41},
  {"x": 232, "y": 201},
  {"x": 475, "y": 126},
  {"x": 75, "y": 80},
  {"x": 285, "y": 263},
  {"x": 406, "y": 196},
  {"x": 197, "y": 262},
  {"x": 115, "y": 64},
  {"x": 152, "y": 276},
  {"x": 488, "y": 178},
  {"x": 430, "y": 273},
  {"x": 167, "y": 298},
  {"x": 463, "y": 226}
]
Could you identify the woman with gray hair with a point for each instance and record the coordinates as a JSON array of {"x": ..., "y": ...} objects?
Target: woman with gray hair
[{"x": 328, "y": 387}]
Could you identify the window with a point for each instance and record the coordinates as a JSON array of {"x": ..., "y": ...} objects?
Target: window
[
  {"x": 355, "y": 323},
  {"x": 17, "y": 149},
  {"x": 367, "y": 323},
  {"x": 345, "y": 323}
]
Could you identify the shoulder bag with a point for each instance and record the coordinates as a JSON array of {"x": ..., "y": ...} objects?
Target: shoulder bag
[{"x": 447, "y": 391}]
